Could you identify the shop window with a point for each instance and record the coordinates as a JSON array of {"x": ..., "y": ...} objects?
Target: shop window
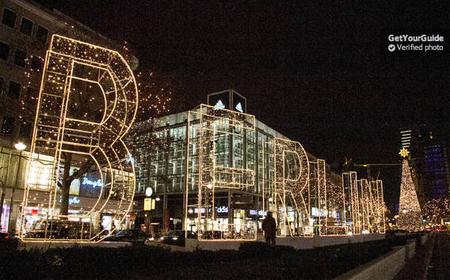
[
  {"x": 8, "y": 125},
  {"x": 26, "y": 27},
  {"x": 4, "y": 51},
  {"x": 14, "y": 90},
  {"x": 9, "y": 18},
  {"x": 36, "y": 63},
  {"x": 19, "y": 58},
  {"x": 42, "y": 34}
]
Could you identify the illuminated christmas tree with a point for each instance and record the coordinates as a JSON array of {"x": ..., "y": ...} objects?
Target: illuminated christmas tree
[{"x": 410, "y": 215}]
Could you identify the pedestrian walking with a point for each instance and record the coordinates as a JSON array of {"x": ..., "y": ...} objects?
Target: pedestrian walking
[{"x": 269, "y": 227}]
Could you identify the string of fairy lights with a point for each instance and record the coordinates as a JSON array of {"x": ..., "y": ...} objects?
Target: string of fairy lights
[
  {"x": 120, "y": 96},
  {"x": 87, "y": 102},
  {"x": 410, "y": 214}
]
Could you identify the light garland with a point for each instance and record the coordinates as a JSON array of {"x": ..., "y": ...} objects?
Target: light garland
[
  {"x": 77, "y": 125},
  {"x": 410, "y": 214}
]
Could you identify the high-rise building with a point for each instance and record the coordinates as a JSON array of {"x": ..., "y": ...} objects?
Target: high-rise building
[
  {"x": 406, "y": 138},
  {"x": 429, "y": 162}
]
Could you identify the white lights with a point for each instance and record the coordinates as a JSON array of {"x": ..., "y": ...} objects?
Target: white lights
[
  {"x": 410, "y": 214},
  {"x": 72, "y": 138},
  {"x": 219, "y": 105},
  {"x": 148, "y": 191},
  {"x": 20, "y": 146}
]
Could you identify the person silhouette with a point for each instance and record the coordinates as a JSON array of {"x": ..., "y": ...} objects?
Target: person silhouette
[{"x": 269, "y": 227}]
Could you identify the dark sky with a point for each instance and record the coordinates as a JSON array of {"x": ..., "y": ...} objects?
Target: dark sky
[{"x": 318, "y": 72}]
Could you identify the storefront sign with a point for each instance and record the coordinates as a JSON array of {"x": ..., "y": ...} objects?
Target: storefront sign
[
  {"x": 91, "y": 185},
  {"x": 254, "y": 212},
  {"x": 222, "y": 210},
  {"x": 74, "y": 200}
]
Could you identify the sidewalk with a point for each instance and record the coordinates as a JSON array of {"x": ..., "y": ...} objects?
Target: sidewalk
[{"x": 416, "y": 268}]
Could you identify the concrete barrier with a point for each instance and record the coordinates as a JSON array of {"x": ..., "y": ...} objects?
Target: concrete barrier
[
  {"x": 410, "y": 248},
  {"x": 40, "y": 245},
  {"x": 384, "y": 267},
  {"x": 193, "y": 244},
  {"x": 423, "y": 238},
  {"x": 297, "y": 242}
]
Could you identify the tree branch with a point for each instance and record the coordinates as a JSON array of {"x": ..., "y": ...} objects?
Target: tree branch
[{"x": 82, "y": 170}]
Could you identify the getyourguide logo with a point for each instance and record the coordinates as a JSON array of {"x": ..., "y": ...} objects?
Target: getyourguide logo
[
  {"x": 415, "y": 38},
  {"x": 420, "y": 42}
]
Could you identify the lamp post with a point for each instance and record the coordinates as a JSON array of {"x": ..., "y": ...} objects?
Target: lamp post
[{"x": 19, "y": 146}]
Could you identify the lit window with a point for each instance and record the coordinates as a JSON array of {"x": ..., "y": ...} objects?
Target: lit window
[{"x": 40, "y": 173}]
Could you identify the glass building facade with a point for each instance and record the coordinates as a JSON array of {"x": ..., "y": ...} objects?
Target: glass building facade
[{"x": 233, "y": 155}]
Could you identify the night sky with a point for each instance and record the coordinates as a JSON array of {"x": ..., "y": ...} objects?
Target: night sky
[{"x": 317, "y": 72}]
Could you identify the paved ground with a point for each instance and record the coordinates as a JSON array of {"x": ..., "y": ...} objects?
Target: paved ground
[
  {"x": 416, "y": 268},
  {"x": 431, "y": 261},
  {"x": 439, "y": 267}
]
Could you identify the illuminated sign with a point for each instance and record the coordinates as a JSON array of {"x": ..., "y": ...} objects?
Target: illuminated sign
[
  {"x": 148, "y": 192},
  {"x": 219, "y": 210},
  {"x": 149, "y": 204},
  {"x": 74, "y": 200},
  {"x": 254, "y": 212},
  {"x": 222, "y": 209},
  {"x": 94, "y": 184},
  {"x": 90, "y": 185},
  {"x": 239, "y": 107},
  {"x": 219, "y": 105}
]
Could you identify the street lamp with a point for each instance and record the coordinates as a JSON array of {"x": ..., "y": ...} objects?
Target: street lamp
[{"x": 20, "y": 146}]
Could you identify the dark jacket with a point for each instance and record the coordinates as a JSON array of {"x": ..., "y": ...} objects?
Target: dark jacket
[{"x": 269, "y": 226}]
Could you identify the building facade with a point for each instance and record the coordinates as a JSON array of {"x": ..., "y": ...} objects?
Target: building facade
[
  {"x": 429, "y": 161},
  {"x": 25, "y": 32},
  {"x": 229, "y": 170}
]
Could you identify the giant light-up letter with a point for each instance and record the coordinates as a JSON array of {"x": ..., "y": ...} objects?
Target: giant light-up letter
[
  {"x": 291, "y": 194},
  {"x": 87, "y": 102}
]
